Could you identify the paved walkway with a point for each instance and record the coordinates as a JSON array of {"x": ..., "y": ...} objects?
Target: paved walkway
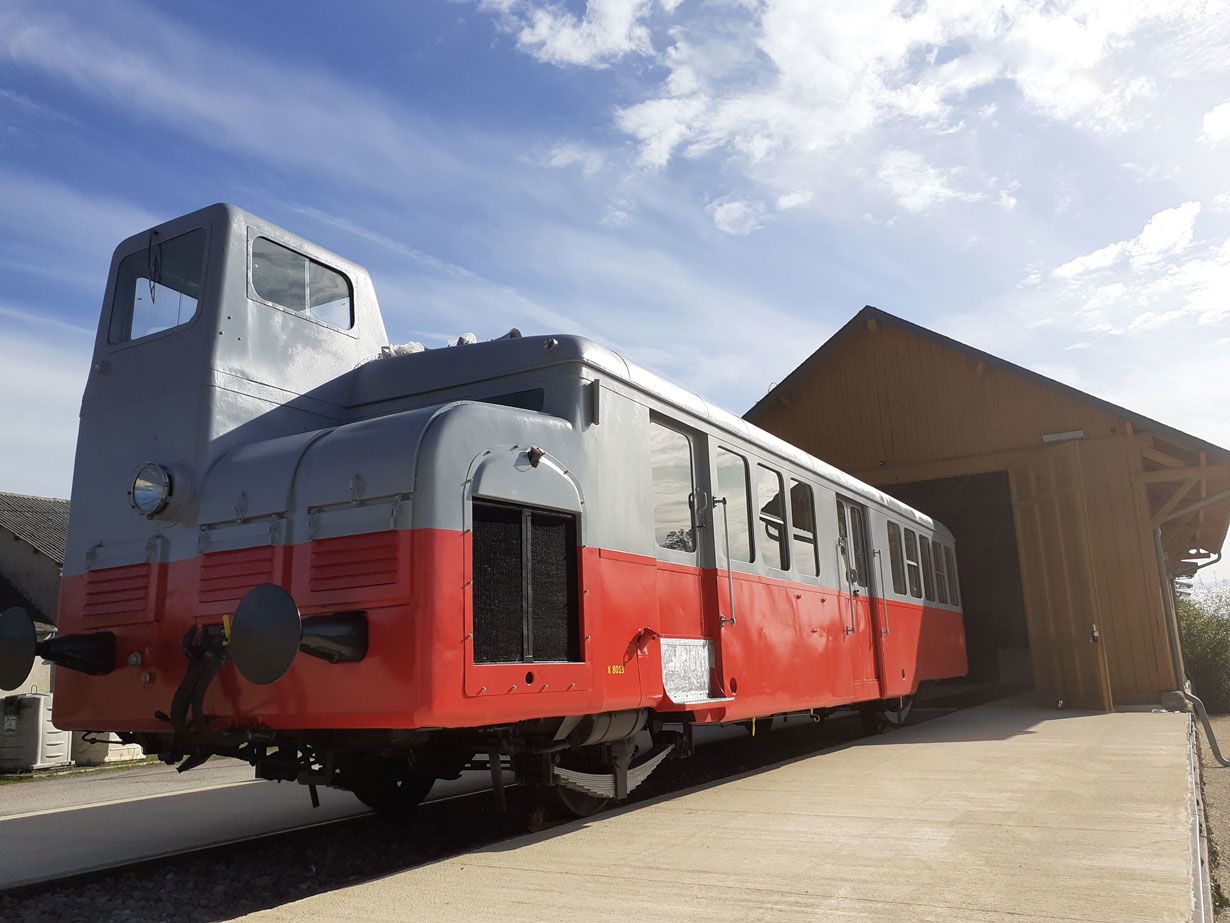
[{"x": 1002, "y": 812}]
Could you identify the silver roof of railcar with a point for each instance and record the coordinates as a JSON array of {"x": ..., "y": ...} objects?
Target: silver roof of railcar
[{"x": 571, "y": 348}]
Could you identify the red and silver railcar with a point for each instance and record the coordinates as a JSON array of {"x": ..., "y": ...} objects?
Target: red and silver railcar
[{"x": 360, "y": 565}]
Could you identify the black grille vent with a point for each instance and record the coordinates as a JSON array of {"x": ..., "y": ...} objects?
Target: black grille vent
[{"x": 525, "y": 596}]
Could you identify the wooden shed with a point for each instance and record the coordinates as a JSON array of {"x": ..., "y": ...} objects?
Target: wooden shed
[{"x": 1053, "y": 495}]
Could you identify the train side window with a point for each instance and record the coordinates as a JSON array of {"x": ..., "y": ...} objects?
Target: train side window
[
  {"x": 157, "y": 288},
  {"x": 290, "y": 280},
  {"x": 773, "y": 517},
  {"x": 952, "y": 575},
  {"x": 928, "y": 568},
  {"x": 911, "y": 563},
  {"x": 670, "y": 454},
  {"x": 859, "y": 527},
  {"x": 894, "y": 557},
  {"x": 941, "y": 575},
  {"x": 732, "y": 479},
  {"x": 803, "y": 528}
]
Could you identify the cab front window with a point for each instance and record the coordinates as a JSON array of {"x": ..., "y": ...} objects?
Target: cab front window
[{"x": 157, "y": 288}]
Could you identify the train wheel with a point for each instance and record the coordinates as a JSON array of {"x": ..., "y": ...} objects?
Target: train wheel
[
  {"x": 571, "y": 803},
  {"x": 393, "y": 791}
]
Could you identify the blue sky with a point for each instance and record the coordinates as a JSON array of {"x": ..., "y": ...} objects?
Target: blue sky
[{"x": 711, "y": 187}]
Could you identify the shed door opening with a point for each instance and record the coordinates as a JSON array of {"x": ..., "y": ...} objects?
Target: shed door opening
[{"x": 978, "y": 510}]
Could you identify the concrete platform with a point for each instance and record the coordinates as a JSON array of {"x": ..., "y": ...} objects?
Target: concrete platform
[{"x": 1005, "y": 811}]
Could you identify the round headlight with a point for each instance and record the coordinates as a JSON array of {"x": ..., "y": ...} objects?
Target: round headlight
[{"x": 151, "y": 489}]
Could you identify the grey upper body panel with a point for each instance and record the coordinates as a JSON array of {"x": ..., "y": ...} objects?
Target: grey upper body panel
[{"x": 279, "y": 429}]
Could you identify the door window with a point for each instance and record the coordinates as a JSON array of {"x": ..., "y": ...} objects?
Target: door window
[
  {"x": 290, "y": 280},
  {"x": 732, "y": 484},
  {"x": 772, "y": 517},
  {"x": 803, "y": 528},
  {"x": 670, "y": 453}
]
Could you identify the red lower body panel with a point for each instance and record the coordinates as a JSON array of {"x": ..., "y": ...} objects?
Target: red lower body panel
[{"x": 793, "y": 645}]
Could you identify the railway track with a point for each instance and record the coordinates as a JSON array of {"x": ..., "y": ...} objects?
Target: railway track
[{"x": 227, "y": 879}]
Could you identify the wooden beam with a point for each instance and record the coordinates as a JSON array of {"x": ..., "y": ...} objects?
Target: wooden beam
[
  {"x": 1211, "y": 472},
  {"x": 1162, "y": 458},
  {"x": 1173, "y": 503}
]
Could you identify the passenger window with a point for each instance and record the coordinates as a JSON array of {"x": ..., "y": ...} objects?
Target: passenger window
[
  {"x": 952, "y": 575},
  {"x": 773, "y": 517},
  {"x": 911, "y": 563},
  {"x": 671, "y": 460},
  {"x": 732, "y": 478},
  {"x": 894, "y": 557},
  {"x": 157, "y": 288},
  {"x": 928, "y": 569},
  {"x": 941, "y": 578},
  {"x": 803, "y": 528},
  {"x": 290, "y": 280}
]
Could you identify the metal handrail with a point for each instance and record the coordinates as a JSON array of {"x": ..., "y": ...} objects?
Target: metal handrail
[{"x": 730, "y": 576}]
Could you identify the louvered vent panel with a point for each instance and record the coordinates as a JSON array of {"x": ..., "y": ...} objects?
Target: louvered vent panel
[
  {"x": 524, "y": 588},
  {"x": 117, "y": 591},
  {"x": 227, "y": 575},
  {"x": 354, "y": 561}
]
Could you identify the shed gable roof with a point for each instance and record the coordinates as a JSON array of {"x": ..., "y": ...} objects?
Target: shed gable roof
[{"x": 859, "y": 323}]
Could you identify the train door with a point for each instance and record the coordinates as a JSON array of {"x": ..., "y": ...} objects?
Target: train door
[
  {"x": 854, "y": 557},
  {"x": 689, "y": 595}
]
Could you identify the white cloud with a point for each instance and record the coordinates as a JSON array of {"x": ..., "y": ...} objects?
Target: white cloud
[
  {"x": 916, "y": 185},
  {"x": 609, "y": 29},
  {"x": 587, "y": 158},
  {"x": 796, "y": 199},
  {"x": 736, "y": 217},
  {"x": 1168, "y": 232},
  {"x": 1215, "y": 127}
]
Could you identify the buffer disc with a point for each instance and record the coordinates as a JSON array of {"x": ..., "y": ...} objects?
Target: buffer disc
[
  {"x": 17, "y": 640},
  {"x": 265, "y": 634}
]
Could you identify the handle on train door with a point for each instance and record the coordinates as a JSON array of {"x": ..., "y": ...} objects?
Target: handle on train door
[{"x": 883, "y": 594}]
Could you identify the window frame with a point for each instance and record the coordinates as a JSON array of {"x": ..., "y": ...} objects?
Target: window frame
[
  {"x": 296, "y": 247},
  {"x": 747, "y": 496},
  {"x": 783, "y": 562},
  {"x": 941, "y": 572},
  {"x": 800, "y": 536},
  {"x": 679, "y": 430},
  {"x": 896, "y": 559},
  {"x": 950, "y": 558},
  {"x": 927, "y": 565},
  {"x": 206, "y": 289},
  {"x": 914, "y": 576}
]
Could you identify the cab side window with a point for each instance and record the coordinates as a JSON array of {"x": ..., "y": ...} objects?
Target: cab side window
[
  {"x": 290, "y": 280},
  {"x": 670, "y": 453},
  {"x": 157, "y": 288}
]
